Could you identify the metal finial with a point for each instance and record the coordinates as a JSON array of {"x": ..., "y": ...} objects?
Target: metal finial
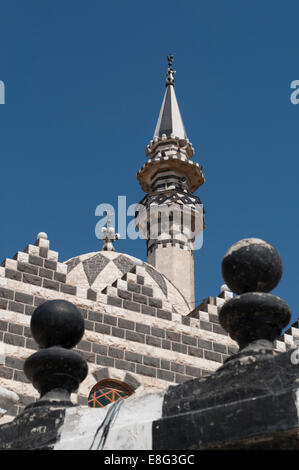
[
  {"x": 170, "y": 72},
  {"x": 109, "y": 237},
  {"x": 170, "y": 58}
]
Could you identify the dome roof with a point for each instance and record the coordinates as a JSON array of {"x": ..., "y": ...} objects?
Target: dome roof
[{"x": 100, "y": 269}]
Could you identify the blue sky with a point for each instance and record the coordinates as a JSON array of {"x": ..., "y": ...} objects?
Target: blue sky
[{"x": 84, "y": 85}]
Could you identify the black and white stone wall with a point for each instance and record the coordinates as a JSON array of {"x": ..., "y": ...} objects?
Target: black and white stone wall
[{"x": 133, "y": 328}]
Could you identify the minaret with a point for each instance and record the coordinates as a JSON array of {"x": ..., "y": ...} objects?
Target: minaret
[{"x": 170, "y": 216}]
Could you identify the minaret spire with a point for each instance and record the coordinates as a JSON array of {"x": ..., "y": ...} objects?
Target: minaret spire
[
  {"x": 170, "y": 119},
  {"x": 170, "y": 216}
]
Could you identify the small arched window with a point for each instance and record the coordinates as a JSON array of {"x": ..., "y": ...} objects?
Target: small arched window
[{"x": 107, "y": 391}]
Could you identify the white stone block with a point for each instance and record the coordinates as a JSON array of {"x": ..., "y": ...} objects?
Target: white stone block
[
  {"x": 112, "y": 291},
  {"x": 194, "y": 323},
  {"x": 212, "y": 309},
  {"x": 3, "y": 282},
  {"x": 148, "y": 281},
  {"x": 33, "y": 250},
  {"x": 23, "y": 257},
  {"x": 61, "y": 268},
  {"x": 176, "y": 317},
  {"x": 280, "y": 346},
  {"x": 295, "y": 332},
  {"x": 166, "y": 306},
  {"x": 81, "y": 292},
  {"x": 219, "y": 302},
  {"x": 288, "y": 339},
  {"x": 140, "y": 270},
  {"x": 157, "y": 293},
  {"x": 53, "y": 255},
  {"x": 43, "y": 243},
  {"x": 121, "y": 284},
  {"x": 228, "y": 295},
  {"x": 11, "y": 264},
  {"x": 204, "y": 316},
  {"x": 131, "y": 277},
  {"x": 101, "y": 299}
]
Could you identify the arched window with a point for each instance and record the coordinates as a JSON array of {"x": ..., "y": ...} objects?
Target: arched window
[{"x": 107, "y": 391}]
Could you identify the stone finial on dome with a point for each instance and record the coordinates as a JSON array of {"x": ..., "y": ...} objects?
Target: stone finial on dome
[
  {"x": 224, "y": 288},
  {"x": 109, "y": 237},
  {"x": 42, "y": 240},
  {"x": 225, "y": 292},
  {"x": 252, "y": 268},
  {"x": 43, "y": 235}
]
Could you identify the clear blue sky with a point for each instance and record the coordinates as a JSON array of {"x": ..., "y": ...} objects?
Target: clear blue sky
[{"x": 84, "y": 85}]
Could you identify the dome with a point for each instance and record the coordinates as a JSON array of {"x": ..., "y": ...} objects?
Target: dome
[{"x": 100, "y": 269}]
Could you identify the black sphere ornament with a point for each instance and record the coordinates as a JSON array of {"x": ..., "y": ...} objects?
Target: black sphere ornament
[
  {"x": 252, "y": 268},
  {"x": 252, "y": 265},
  {"x": 57, "y": 323},
  {"x": 57, "y": 326}
]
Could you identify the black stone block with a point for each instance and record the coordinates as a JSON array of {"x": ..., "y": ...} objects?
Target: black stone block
[
  {"x": 16, "y": 307},
  {"x": 125, "y": 365},
  {"x": 127, "y": 324},
  {"x": 24, "y": 298},
  {"x": 27, "y": 268},
  {"x": 165, "y": 375},
  {"x": 155, "y": 303},
  {"x": 36, "y": 260},
  {"x": 60, "y": 277},
  {"x": 145, "y": 370},
  {"x": 133, "y": 336},
  {"x": 11, "y": 274},
  {"x": 164, "y": 314},
  {"x": 153, "y": 341},
  {"x": 148, "y": 310},
  {"x": 128, "y": 305},
  {"x": 68, "y": 289},
  {"x": 30, "y": 279},
  {"x": 6, "y": 293},
  {"x": 114, "y": 301}
]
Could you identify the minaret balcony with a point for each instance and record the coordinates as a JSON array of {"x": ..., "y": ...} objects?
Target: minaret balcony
[
  {"x": 188, "y": 168},
  {"x": 170, "y": 142}
]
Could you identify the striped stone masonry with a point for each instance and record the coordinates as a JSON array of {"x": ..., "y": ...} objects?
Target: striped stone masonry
[
  {"x": 37, "y": 265},
  {"x": 131, "y": 332}
]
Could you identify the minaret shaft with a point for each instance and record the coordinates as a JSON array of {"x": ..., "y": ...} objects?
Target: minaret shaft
[{"x": 177, "y": 265}]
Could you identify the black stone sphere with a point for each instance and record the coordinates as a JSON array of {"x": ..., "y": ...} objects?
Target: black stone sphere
[
  {"x": 57, "y": 323},
  {"x": 252, "y": 265}
]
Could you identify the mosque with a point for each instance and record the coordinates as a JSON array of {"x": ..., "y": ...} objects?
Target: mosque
[{"x": 142, "y": 327}]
